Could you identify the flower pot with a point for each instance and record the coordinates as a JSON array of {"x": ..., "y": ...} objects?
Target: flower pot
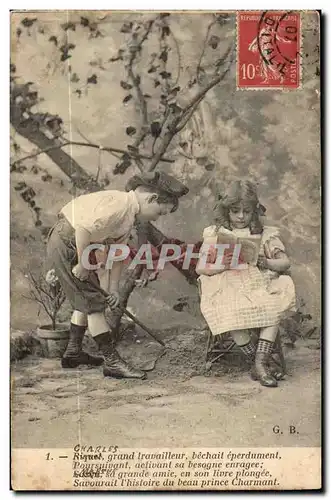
[{"x": 53, "y": 342}]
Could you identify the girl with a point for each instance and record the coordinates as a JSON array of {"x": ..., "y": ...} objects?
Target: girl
[{"x": 257, "y": 297}]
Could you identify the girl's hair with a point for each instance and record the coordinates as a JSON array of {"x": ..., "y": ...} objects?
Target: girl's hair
[
  {"x": 162, "y": 196},
  {"x": 239, "y": 192}
]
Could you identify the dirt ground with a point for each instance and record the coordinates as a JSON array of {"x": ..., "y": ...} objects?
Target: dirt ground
[{"x": 180, "y": 403}]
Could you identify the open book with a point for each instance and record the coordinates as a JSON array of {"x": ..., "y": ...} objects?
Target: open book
[{"x": 250, "y": 245}]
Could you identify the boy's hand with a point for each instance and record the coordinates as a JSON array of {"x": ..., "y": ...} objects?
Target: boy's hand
[
  {"x": 113, "y": 299},
  {"x": 262, "y": 262},
  {"x": 141, "y": 283},
  {"x": 80, "y": 272}
]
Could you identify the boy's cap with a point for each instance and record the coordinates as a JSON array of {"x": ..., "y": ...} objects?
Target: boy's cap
[{"x": 160, "y": 181}]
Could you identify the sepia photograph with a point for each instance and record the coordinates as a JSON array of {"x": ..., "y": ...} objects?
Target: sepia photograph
[{"x": 165, "y": 246}]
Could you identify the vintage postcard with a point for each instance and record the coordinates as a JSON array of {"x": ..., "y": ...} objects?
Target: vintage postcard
[{"x": 165, "y": 250}]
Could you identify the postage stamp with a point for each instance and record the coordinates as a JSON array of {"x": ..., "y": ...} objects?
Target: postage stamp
[{"x": 268, "y": 50}]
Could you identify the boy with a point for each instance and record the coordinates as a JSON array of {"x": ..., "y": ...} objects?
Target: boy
[{"x": 103, "y": 217}]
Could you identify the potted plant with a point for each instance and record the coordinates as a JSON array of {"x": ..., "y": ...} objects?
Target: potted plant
[{"x": 47, "y": 291}]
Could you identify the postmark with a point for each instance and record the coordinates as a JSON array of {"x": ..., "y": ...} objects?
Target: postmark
[{"x": 268, "y": 50}]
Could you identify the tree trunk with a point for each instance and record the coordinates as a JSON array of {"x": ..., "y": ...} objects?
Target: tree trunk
[
  {"x": 28, "y": 129},
  {"x": 54, "y": 323},
  {"x": 114, "y": 317}
]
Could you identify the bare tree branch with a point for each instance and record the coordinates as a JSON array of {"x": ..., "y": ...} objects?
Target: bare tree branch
[
  {"x": 97, "y": 146},
  {"x": 166, "y": 140},
  {"x": 90, "y": 142},
  {"x": 52, "y": 146},
  {"x": 141, "y": 98},
  {"x": 178, "y": 54},
  {"x": 180, "y": 122},
  {"x": 40, "y": 301},
  {"x": 166, "y": 87},
  {"x": 37, "y": 284},
  {"x": 200, "y": 95},
  {"x": 186, "y": 118},
  {"x": 135, "y": 80},
  {"x": 204, "y": 47}
]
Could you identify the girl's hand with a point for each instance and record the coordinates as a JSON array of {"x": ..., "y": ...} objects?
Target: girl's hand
[
  {"x": 80, "y": 272},
  {"x": 224, "y": 265},
  {"x": 280, "y": 264},
  {"x": 227, "y": 259},
  {"x": 262, "y": 262}
]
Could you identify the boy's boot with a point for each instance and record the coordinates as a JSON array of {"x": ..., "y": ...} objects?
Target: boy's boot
[
  {"x": 74, "y": 355},
  {"x": 114, "y": 365}
]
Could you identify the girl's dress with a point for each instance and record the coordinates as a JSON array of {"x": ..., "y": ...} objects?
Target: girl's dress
[{"x": 248, "y": 298}]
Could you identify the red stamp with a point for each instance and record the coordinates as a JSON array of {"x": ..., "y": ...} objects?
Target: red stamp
[{"x": 268, "y": 49}]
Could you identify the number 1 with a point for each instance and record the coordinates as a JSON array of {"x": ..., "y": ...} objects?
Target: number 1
[{"x": 250, "y": 71}]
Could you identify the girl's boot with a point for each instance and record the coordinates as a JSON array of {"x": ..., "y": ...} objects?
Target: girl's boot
[
  {"x": 249, "y": 351},
  {"x": 114, "y": 365},
  {"x": 260, "y": 371},
  {"x": 74, "y": 355}
]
